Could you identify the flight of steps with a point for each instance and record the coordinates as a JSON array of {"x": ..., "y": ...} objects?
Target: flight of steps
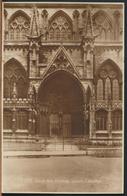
[{"x": 39, "y": 144}]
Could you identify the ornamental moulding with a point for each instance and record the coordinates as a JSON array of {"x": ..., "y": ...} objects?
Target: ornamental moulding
[{"x": 61, "y": 61}]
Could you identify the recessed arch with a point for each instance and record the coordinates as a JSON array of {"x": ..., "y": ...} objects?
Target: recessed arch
[
  {"x": 14, "y": 61},
  {"x": 57, "y": 23},
  {"x": 60, "y": 13},
  {"x": 74, "y": 77},
  {"x": 102, "y": 13},
  {"x": 103, "y": 25},
  {"x": 17, "y": 13},
  {"x": 109, "y": 62},
  {"x": 111, "y": 76},
  {"x": 13, "y": 71},
  {"x": 61, "y": 93},
  {"x": 19, "y": 25}
]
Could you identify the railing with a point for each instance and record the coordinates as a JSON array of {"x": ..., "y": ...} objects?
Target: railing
[{"x": 46, "y": 143}]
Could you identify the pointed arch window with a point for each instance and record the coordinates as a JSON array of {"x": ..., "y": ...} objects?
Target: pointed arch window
[
  {"x": 107, "y": 88},
  {"x": 100, "y": 89},
  {"x": 6, "y": 87},
  {"x": 15, "y": 73},
  {"x": 21, "y": 83},
  {"x": 7, "y": 120},
  {"x": 19, "y": 25},
  {"x": 63, "y": 33},
  {"x": 108, "y": 83},
  {"x": 60, "y": 27},
  {"x": 51, "y": 34},
  {"x": 116, "y": 90},
  {"x": 22, "y": 120},
  {"x": 101, "y": 120},
  {"x": 117, "y": 120},
  {"x": 108, "y": 34},
  {"x": 103, "y": 25},
  {"x": 57, "y": 34},
  {"x": 103, "y": 34}
]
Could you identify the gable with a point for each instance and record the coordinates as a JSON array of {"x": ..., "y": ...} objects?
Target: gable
[{"x": 61, "y": 61}]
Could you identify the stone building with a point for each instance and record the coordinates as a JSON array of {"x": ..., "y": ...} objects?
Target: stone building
[{"x": 63, "y": 67}]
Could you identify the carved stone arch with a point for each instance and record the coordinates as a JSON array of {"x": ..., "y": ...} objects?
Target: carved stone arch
[
  {"x": 67, "y": 73},
  {"x": 103, "y": 25},
  {"x": 19, "y": 25},
  {"x": 106, "y": 65},
  {"x": 61, "y": 93},
  {"x": 109, "y": 72},
  {"x": 57, "y": 22},
  {"x": 60, "y": 13},
  {"x": 12, "y": 62},
  {"x": 61, "y": 61},
  {"x": 14, "y": 70},
  {"x": 17, "y": 13},
  {"x": 102, "y": 13}
]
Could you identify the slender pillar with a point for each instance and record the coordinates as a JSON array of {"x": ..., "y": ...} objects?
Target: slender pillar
[
  {"x": 14, "y": 99},
  {"x": 30, "y": 121},
  {"x": 92, "y": 122},
  {"x": 14, "y": 127},
  {"x": 33, "y": 122},
  {"x": 85, "y": 116},
  {"x": 92, "y": 115},
  {"x": 109, "y": 122}
]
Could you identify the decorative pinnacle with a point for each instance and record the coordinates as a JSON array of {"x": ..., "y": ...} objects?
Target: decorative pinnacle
[
  {"x": 34, "y": 28},
  {"x": 89, "y": 24}
]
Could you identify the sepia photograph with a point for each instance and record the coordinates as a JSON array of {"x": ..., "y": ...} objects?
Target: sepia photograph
[{"x": 62, "y": 100}]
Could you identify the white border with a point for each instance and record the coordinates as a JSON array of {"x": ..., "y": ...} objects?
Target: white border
[{"x": 123, "y": 77}]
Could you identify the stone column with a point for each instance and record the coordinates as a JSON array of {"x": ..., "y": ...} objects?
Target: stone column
[
  {"x": 109, "y": 127},
  {"x": 14, "y": 99},
  {"x": 33, "y": 122},
  {"x": 92, "y": 121},
  {"x": 85, "y": 116},
  {"x": 14, "y": 127},
  {"x": 30, "y": 121},
  {"x": 30, "y": 111},
  {"x": 109, "y": 123},
  {"x": 85, "y": 64},
  {"x": 92, "y": 113}
]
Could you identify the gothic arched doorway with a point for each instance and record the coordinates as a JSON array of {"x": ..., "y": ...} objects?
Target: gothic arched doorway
[{"x": 61, "y": 102}]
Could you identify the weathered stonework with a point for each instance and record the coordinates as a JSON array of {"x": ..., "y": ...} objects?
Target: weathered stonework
[{"x": 75, "y": 40}]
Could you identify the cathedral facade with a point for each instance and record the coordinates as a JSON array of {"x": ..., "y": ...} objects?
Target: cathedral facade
[{"x": 63, "y": 70}]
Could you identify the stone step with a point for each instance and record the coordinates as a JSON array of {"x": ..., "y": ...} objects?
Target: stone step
[{"x": 37, "y": 146}]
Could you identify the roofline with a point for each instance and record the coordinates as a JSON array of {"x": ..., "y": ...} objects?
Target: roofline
[{"x": 64, "y": 5}]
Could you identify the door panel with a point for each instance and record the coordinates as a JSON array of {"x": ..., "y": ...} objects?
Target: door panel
[
  {"x": 44, "y": 124},
  {"x": 77, "y": 125},
  {"x": 66, "y": 125},
  {"x": 54, "y": 125}
]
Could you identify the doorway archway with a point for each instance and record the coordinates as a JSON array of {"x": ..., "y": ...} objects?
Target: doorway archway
[{"x": 61, "y": 100}]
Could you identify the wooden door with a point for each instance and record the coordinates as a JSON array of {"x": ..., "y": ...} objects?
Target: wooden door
[
  {"x": 54, "y": 125},
  {"x": 66, "y": 125}
]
